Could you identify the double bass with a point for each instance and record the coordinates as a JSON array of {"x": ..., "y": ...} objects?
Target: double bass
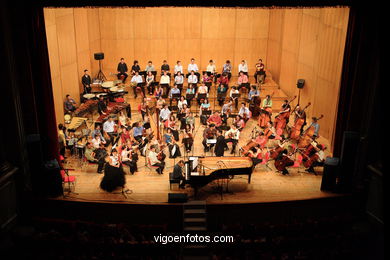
[
  {"x": 281, "y": 118},
  {"x": 254, "y": 106},
  {"x": 276, "y": 151},
  {"x": 283, "y": 162},
  {"x": 307, "y": 136},
  {"x": 298, "y": 124},
  {"x": 265, "y": 115}
]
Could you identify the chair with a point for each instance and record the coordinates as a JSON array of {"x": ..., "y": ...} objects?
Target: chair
[
  {"x": 172, "y": 181},
  {"x": 68, "y": 179},
  {"x": 150, "y": 166}
]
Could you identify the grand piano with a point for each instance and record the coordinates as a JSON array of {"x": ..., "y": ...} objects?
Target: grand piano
[{"x": 200, "y": 171}]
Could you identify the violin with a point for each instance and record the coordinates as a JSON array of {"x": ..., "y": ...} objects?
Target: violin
[
  {"x": 307, "y": 136},
  {"x": 299, "y": 121}
]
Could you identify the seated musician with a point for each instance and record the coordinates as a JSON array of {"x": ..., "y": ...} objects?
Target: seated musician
[
  {"x": 165, "y": 69},
  {"x": 89, "y": 153},
  {"x": 239, "y": 122},
  {"x": 165, "y": 80},
  {"x": 143, "y": 109},
  {"x": 261, "y": 139},
  {"x": 267, "y": 102},
  {"x": 150, "y": 82},
  {"x": 181, "y": 103},
  {"x": 234, "y": 90},
  {"x": 129, "y": 158},
  {"x": 96, "y": 141},
  {"x": 227, "y": 69},
  {"x": 147, "y": 126},
  {"x": 109, "y": 129},
  {"x": 182, "y": 115},
  {"x": 223, "y": 80},
  {"x": 149, "y": 67},
  {"x": 192, "y": 79},
  {"x": 215, "y": 119},
  {"x": 243, "y": 81},
  {"x": 190, "y": 120},
  {"x": 209, "y": 133},
  {"x": 190, "y": 92},
  {"x": 220, "y": 145},
  {"x": 244, "y": 112},
  {"x": 138, "y": 131},
  {"x": 178, "y": 174},
  {"x": 165, "y": 113},
  {"x": 160, "y": 103},
  {"x": 153, "y": 158},
  {"x": 314, "y": 123},
  {"x": 255, "y": 153},
  {"x": 203, "y": 89},
  {"x": 86, "y": 81},
  {"x": 122, "y": 70},
  {"x": 171, "y": 124},
  {"x": 158, "y": 92},
  {"x": 232, "y": 135},
  {"x": 135, "y": 68},
  {"x": 125, "y": 135},
  {"x": 253, "y": 93},
  {"x": 211, "y": 67},
  {"x": 102, "y": 107},
  {"x": 174, "y": 91},
  {"x": 71, "y": 140},
  {"x": 204, "y": 106},
  {"x": 179, "y": 80},
  {"x": 320, "y": 158},
  {"x": 70, "y": 104},
  {"x": 137, "y": 81},
  {"x": 206, "y": 80},
  {"x": 178, "y": 68},
  {"x": 286, "y": 108},
  {"x": 122, "y": 118},
  {"x": 283, "y": 161},
  {"x": 221, "y": 93},
  {"x": 243, "y": 67},
  {"x": 226, "y": 110},
  {"x": 188, "y": 139},
  {"x": 300, "y": 114},
  {"x": 193, "y": 67}
]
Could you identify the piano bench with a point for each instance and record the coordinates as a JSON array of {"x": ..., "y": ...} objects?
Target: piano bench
[{"x": 173, "y": 181}]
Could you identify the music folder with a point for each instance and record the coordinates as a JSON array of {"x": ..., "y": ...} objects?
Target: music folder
[
  {"x": 236, "y": 95},
  {"x": 190, "y": 96},
  {"x": 176, "y": 95},
  {"x": 211, "y": 141},
  {"x": 202, "y": 96},
  {"x": 206, "y": 112}
]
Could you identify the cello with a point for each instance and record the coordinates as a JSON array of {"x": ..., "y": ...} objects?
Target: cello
[
  {"x": 298, "y": 124},
  {"x": 307, "y": 136},
  {"x": 281, "y": 118},
  {"x": 265, "y": 114}
]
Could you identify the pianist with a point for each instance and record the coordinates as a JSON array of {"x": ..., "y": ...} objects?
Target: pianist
[{"x": 178, "y": 174}]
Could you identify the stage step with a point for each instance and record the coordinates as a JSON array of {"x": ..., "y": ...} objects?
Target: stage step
[
  {"x": 195, "y": 216},
  {"x": 187, "y": 220},
  {"x": 195, "y": 228}
]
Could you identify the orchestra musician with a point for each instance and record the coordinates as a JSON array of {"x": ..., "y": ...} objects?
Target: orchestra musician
[
  {"x": 260, "y": 71},
  {"x": 283, "y": 161},
  {"x": 150, "y": 82},
  {"x": 227, "y": 69},
  {"x": 243, "y": 81},
  {"x": 221, "y": 93},
  {"x": 317, "y": 158},
  {"x": 190, "y": 93},
  {"x": 244, "y": 112},
  {"x": 234, "y": 90},
  {"x": 136, "y": 82},
  {"x": 158, "y": 92},
  {"x": 154, "y": 161},
  {"x": 239, "y": 122},
  {"x": 207, "y": 80},
  {"x": 109, "y": 131},
  {"x": 178, "y": 68},
  {"x": 149, "y": 67},
  {"x": 261, "y": 139},
  {"x": 226, "y": 110},
  {"x": 190, "y": 120},
  {"x": 224, "y": 80},
  {"x": 300, "y": 118},
  {"x": 204, "y": 106},
  {"x": 282, "y": 119},
  {"x": 215, "y": 119},
  {"x": 179, "y": 80},
  {"x": 165, "y": 80},
  {"x": 171, "y": 124},
  {"x": 209, "y": 133},
  {"x": 138, "y": 131},
  {"x": 254, "y": 92},
  {"x": 232, "y": 135},
  {"x": 174, "y": 91},
  {"x": 100, "y": 156},
  {"x": 86, "y": 81},
  {"x": 122, "y": 70},
  {"x": 178, "y": 174},
  {"x": 174, "y": 149},
  {"x": 129, "y": 158},
  {"x": 114, "y": 176},
  {"x": 211, "y": 69},
  {"x": 203, "y": 89},
  {"x": 165, "y": 68},
  {"x": 193, "y": 67},
  {"x": 266, "y": 112},
  {"x": 243, "y": 67},
  {"x": 188, "y": 139},
  {"x": 316, "y": 126},
  {"x": 70, "y": 104},
  {"x": 192, "y": 79},
  {"x": 135, "y": 68}
]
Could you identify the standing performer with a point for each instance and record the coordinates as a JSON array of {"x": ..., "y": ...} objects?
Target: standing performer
[
  {"x": 114, "y": 175},
  {"x": 86, "y": 81},
  {"x": 220, "y": 145},
  {"x": 299, "y": 122}
]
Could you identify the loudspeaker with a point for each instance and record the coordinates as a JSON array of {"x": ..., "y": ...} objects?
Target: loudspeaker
[
  {"x": 329, "y": 176},
  {"x": 99, "y": 56},
  {"x": 300, "y": 83},
  {"x": 177, "y": 197}
]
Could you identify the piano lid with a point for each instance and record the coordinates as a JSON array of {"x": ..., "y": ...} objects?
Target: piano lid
[{"x": 210, "y": 164}]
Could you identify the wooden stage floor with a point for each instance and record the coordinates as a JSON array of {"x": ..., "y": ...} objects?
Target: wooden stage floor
[{"x": 148, "y": 187}]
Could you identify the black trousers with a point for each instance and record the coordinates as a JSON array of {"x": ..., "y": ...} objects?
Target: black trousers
[
  {"x": 124, "y": 74},
  {"x": 160, "y": 166}
]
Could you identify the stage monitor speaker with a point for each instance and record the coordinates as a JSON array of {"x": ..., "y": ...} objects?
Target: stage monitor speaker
[
  {"x": 99, "y": 56},
  {"x": 300, "y": 83},
  {"x": 177, "y": 197},
  {"x": 329, "y": 176},
  {"x": 349, "y": 153}
]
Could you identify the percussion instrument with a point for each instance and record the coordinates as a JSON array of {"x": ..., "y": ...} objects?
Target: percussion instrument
[
  {"x": 76, "y": 122},
  {"x": 101, "y": 94},
  {"x": 116, "y": 89},
  {"x": 89, "y": 96},
  {"x": 67, "y": 118},
  {"x": 108, "y": 84},
  {"x": 86, "y": 107},
  {"x": 117, "y": 82}
]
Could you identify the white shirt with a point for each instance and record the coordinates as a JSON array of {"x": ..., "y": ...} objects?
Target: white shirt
[
  {"x": 192, "y": 67},
  {"x": 178, "y": 68},
  {"x": 137, "y": 79},
  {"x": 125, "y": 155},
  {"x": 153, "y": 158},
  {"x": 164, "y": 79},
  {"x": 233, "y": 91},
  {"x": 181, "y": 103},
  {"x": 192, "y": 79},
  {"x": 321, "y": 156},
  {"x": 244, "y": 110},
  {"x": 243, "y": 68},
  {"x": 164, "y": 113},
  {"x": 108, "y": 126},
  {"x": 179, "y": 79},
  {"x": 96, "y": 142},
  {"x": 211, "y": 68},
  {"x": 235, "y": 133}
]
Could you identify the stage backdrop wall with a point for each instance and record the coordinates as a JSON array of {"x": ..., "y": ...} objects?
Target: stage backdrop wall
[{"x": 293, "y": 43}]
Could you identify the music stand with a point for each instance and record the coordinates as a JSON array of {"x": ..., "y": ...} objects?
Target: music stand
[
  {"x": 190, "y": 96},
  {"x": 206, "y": 112},
  {"x": 100, "y": 74},
  {"x": 202, "y": 96},
  {"x": 176, "y": 96}
]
